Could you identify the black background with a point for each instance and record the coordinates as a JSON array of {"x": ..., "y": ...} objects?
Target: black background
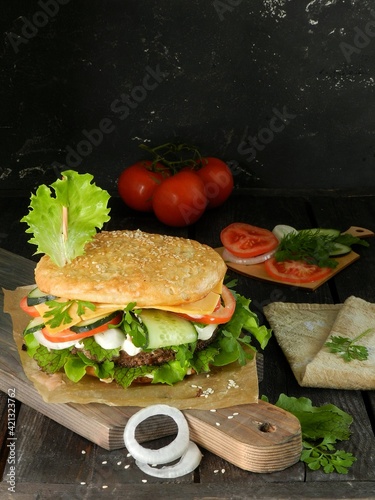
[{"x": 226, "y": 66}]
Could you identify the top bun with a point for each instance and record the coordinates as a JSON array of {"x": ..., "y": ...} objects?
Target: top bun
[{"x": 120, "y": 267}]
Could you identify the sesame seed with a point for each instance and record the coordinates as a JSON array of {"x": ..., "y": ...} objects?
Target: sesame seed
[
  {"x": 127, "y": 466},
  {"x": 83, "y": 452},
  {"x": 222, "y": 471},
  {"x": 144, "y": 480},
  {"x": 216, "y": 471},
  {"x": 104, "y": 486},
  {"x": 230, "y": 416},
  {"x": 218, "y": 424},
  {"x": 213, "y": 411},
  {"x": 104, "y": 462}
]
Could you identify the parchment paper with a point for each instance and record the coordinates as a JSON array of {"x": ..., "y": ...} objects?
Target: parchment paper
[
  {"x": 190, "y": 393},
  {"x": 302, "y": 330}
]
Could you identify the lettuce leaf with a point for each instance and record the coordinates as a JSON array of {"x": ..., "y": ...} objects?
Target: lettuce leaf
[
  {"x": 82, "y": 201},
  {"x": 233, "y": 343}
]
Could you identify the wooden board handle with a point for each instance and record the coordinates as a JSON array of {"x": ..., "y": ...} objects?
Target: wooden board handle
[{"x": 359, "y": 232}]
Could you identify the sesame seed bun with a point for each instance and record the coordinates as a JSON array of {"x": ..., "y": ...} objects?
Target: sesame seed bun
[{"x": 120, "y": 267}]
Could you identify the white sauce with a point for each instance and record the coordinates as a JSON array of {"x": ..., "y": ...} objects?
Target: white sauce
[
  {"x": 113, "y": 338},
  {"x": 110, "y": 339},
  {"x": 205, "y": 332},
  {"x": 129, "y": 347}
]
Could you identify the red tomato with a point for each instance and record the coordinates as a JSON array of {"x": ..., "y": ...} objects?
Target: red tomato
[
  {"x": 137, "y": 183},
  {"x": 295, "y": 271},
  {"x": 180, "y": 200},
  {"x": 218, "y": 181},
  {"x": 222, "y": 314},
  {"x": 68, "y": 335},
  {"x": 30, "y": 310},
  {"x": 244, "y": 240}
]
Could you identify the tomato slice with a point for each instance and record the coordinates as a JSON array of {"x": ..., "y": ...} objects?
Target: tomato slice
[
  {"x": 30, "y": 310},
  {"x": 295, "y": 271},
  {"x": 68, "y": 335},
  {"x": 244, "y": 240},
  {"x": 221, "y": 314}
]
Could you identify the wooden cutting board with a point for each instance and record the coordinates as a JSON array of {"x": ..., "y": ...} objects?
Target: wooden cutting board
[
  {"x": 258, "y": 270},
  {"x": 258, "y": 437}
]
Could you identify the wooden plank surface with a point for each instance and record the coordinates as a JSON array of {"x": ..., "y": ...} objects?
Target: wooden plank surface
[{"x": 51, "y": 459}]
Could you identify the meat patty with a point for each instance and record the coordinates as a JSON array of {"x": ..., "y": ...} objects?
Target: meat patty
[{"x": 148, "y": 358}]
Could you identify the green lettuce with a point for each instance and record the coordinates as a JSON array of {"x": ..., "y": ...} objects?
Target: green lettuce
[
  {"x": 63, "y": 224},
  {"x": 233, "y": 343}
]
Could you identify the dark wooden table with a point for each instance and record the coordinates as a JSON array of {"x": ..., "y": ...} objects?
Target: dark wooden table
[{"x": 53, "y": 462}]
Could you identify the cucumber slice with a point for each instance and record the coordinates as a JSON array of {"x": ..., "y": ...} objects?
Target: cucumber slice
[
  {"x": 91, "y": 324},
  {"x": 333, "y": 233},
  {"x": 36, "y": 296},
  {"x": 34, "y": 325},
  {"x": 339, "y": 249},
  {"x": 166, "y": 329}
]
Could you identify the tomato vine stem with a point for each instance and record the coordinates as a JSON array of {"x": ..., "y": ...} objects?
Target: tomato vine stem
[{"x": 174, "y": 156}]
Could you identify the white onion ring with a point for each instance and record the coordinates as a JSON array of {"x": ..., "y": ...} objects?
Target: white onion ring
[
  {"x": 229, "y": 257},
  {"x": 166, "y": 454},
  {"x": 188, "y": 462}
]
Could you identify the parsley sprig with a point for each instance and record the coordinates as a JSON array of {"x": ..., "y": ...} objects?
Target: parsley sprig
[
  {"x": 131, "y": 325},
  {"x": 59, "y": 312},
  {"x": 325, "y": 456},
  {"x": 322, "y": 428},
  {"x": 347, "y": 348}
]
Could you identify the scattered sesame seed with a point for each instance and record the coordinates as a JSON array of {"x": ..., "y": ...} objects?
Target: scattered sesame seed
[
  {"x": 128, "y": 455},
  {"x": 119, "y": 463},
  {"x": 104, "y": 486},
  {"x": 144, "y": 480},
  {"x": 218, "y": 424},
  {"x": 213, "y": 411},
  {"x": 216, "y": 471},
  {"x": 222, "y": 471},
  {"x": 230, "y": 416},
  {"x": 127, "y": 466},
  {"x": 83, "y": 452},
  {"x": 235, "y": 413},
  {"x": 82, "y": 482},
  {"x": 104, "y": 462}
]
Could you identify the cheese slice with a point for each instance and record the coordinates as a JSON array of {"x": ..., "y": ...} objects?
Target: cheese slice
[{"x": 203, "y": 306}]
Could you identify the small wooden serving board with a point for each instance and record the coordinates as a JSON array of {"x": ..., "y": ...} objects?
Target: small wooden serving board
[
  {"x": 258, "y": 270},
  {"x": 258, "y": 437}
]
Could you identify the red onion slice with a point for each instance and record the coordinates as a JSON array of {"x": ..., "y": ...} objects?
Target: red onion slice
[
  {"x": 167, "y": 454},
  {"x": 229, "y": 257},
  {"x": 188, "y": 462}
]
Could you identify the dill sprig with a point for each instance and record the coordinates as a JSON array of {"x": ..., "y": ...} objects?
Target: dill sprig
[{"x": 309, "y": 246}]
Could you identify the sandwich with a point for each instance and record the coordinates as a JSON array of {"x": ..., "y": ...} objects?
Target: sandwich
[{"x": 126, "y": 306}]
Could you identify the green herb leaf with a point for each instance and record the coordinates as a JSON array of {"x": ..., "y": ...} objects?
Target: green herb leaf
[
  {"x": 347, "y": 348},
  {"x": 349, "y": 240},
  {"x": 322, "y": 427},
  {"x": 50, "y": 361},
  {"x": 309, "y": 246},
  {"x": 62, "y": 225},
  {"x": 131, "y": 326},
  {"x": 59, "y": 311}
]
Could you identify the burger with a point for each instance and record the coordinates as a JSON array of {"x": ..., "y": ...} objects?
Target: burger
[{"x": 132, "y": 307}]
